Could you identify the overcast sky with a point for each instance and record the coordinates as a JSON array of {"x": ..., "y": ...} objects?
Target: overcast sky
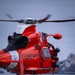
[{"x": 37, "y": 9}]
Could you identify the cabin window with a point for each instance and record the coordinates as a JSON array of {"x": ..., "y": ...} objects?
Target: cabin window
[{"x": 45, "y": 52}]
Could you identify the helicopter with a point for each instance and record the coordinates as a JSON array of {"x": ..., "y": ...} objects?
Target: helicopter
[{"x": 28, "y": 51}]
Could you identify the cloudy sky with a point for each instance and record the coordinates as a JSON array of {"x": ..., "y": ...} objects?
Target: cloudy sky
[{"x": 37, "y": 9}]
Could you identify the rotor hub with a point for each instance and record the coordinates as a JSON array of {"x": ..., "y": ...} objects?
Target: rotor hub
[{"x": 29, "y": 21}]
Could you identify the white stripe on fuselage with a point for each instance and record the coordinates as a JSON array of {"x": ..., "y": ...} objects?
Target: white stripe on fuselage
[{"x": 14, "y": 56}]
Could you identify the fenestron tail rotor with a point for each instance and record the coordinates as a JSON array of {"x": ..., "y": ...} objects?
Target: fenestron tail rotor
[{"x": 33, "y": 21}]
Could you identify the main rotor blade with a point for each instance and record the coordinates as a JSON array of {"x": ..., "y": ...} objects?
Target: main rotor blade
[
  {"x": 68, "y": 20},
  {"x": 12, "y": 21},
  {"x": 8, "y": 15},
  {"x": 44, "y": 19}
]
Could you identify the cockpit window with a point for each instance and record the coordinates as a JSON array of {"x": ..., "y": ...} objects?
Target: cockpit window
[
  {"x": 42, "y": 36},
  {"x": 45, "y": 52}
]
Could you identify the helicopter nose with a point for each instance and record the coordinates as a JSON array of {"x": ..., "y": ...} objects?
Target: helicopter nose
[{"x": 3, "y": 60}]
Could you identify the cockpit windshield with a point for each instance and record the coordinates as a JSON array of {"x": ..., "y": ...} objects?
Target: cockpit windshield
[{"x": 42, "y": 36}]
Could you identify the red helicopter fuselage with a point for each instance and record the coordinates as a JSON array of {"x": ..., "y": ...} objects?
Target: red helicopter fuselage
[{"x": 37, "y": 57}]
